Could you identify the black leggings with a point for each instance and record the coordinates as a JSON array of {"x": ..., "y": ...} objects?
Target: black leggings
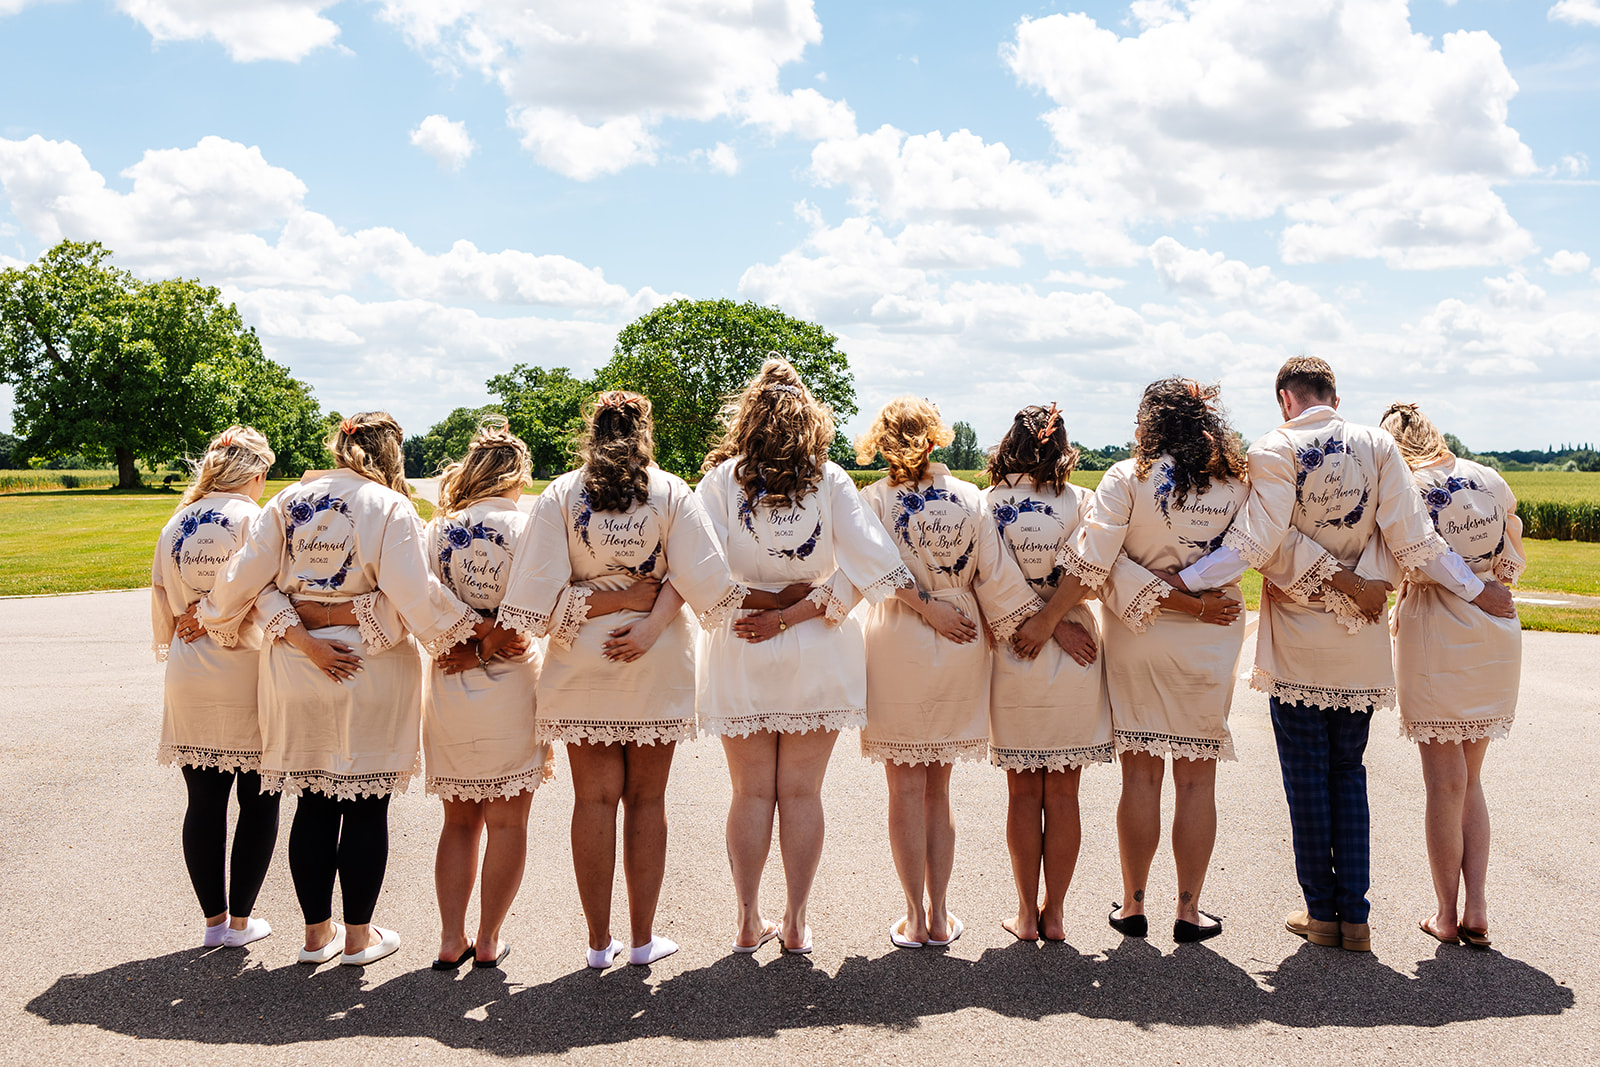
[
  {"x": 205, "y": 838},
  {"x": 347, "y": 838}
]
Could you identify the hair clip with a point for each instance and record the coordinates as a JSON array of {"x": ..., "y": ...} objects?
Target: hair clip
[
  {"x": 784, "y": 387},
  {"x": 1049, "y": 427},
  {"x": 347, "y": 426},
  {"x": 225, "y": 439}
]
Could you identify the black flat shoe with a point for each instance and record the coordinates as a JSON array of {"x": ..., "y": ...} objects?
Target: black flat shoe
[
  {"x": 1187, "y": 933},
  {"x": 1128, "y": 925},
  {"x": 455, "y": 964},
  {"x": 505, "y": 950}
]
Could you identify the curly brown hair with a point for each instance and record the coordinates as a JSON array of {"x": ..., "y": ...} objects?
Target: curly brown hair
[
  {"x": 368, "y": 443},
  {"x": 496, "y": 463},
  {"x": 1184, "y": 419},
  {"x": 903, "y": 431},
  {"x": 780, "y": 434},
  {"x": 1421, "y": 442},
  {"x": 1036, "y": 445},
  {"x": 616, "y": 449}
]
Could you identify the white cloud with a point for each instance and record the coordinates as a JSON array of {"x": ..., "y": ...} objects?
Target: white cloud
[
  {"x": 1293, "y": 310},
  {"x": 1515, "y": 291},
  {"x": 1565, "y": 262},
  {"x": 1081, "y": 280},
  {"x": 588, "y": 84},
  {"x": 445, "y": 141},
  {"x": 1220, "y": 109},
  {"x": 1576, "y": 12},
  {"x": 721, "y": 158},
  {"x": 249, "y": 29}
]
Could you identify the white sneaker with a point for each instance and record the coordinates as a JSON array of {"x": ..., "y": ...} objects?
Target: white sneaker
[
  {"x": 254, "y": 930},
  {"x": 214, "y": 935},
  {"x": 386, "y": 947},
  {"x": 333, "y": 948}
]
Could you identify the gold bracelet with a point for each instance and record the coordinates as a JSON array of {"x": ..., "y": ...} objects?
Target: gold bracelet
[{"x": 782, "y": 626}]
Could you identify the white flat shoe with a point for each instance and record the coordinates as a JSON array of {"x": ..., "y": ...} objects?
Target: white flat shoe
[
  {"x": 386, "y": 947},
  {"x": 254, "y": 930},
  {"x": 601, "y": 958},
  {"x": 955, "y": 932},
  {"x": 897, "y": 936},
  {"x": 333, "y": 948},
  {"x": 659, "y": 948},
  {"x": 214, "y": 935}
]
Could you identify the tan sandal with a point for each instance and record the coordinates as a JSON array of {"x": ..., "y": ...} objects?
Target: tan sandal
[
  {"x": 1431, "y": 932},
  {"x": 1477, "y": 938}
]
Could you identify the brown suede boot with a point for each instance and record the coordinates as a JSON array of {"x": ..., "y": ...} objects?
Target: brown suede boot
[
  {"x": 1355, "y": 937},
  {"x": 1316, "y": 931}
]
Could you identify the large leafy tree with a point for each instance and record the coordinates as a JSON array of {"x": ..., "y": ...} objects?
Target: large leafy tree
[
  {"x": 544, "y": 408},
  {"x": 104, "y": 364},
  {"x": 689, "y": 356},
  {"x": 962, "y": 453},
  {"x": 447, "y": 441}
]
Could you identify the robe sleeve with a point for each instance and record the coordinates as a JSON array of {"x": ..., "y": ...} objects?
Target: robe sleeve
[
  {"x": 862, "y": 549},
  {"x": 1263, "y": 523},
  {"x": 1098, "y": 540},
  {"x": 1133, "y": 593},
  {"x": 251, "y": 572},
  {"x": 428, "y": 609},
  {"x": 541, "y": 570},
  {"x": 1300, "y": 566},
  {"x": 163, "y": 624},
  {"x": 697, "y": 566},
  {"x": 1003, "y": 593},
  {"x": 836, "y": 595}
]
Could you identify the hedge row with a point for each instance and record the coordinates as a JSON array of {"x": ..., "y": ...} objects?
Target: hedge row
[{"x": 1560, "y": 520}]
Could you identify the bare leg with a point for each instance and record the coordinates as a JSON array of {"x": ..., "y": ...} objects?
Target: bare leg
[
  {"x": 1194, "y": 831},
  {"x": 1063, "y": 836},
  {"x": 940, "y": 819},
  {"x": 1444, "y": 774},
  {"x": 908, "y": 839},
  {"x": 503, "y": 860},
  {"x": 753, "y": 766},
  {"x": 802, "y": 760},
  {"x": 598, "y": 775},
  {"x": 1138, "y": 825},
  {"x": 1475, "y": 838},
  {"x": 1025, "y": 842},
  {"x": 644, "y": 832},
  {"x": 455, "y": 868}
]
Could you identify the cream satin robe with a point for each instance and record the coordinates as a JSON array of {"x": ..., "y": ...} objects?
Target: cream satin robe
[
  {"x": 569, "y": 550},
  {"x": 812, "y": 676},
  {"x": 334, "y": 537},
  {"x": 1170, "y": 675},
  {"x": 1050, "y": 712},
  {"x": 478, "y": 725},
  {"x": 928, "y": 697}
]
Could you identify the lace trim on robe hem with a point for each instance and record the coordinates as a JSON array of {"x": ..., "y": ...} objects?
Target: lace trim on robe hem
[
  {"x": 1327, "y": 697},
  {"x": 723, "y": 609},
  {"x": 1145, "y": 605},
  {"x": 1092, "y": 576},
  {"x": 161, "y": 652},
  {"x": 1456, "y": 730},
  {"x": 372, "y": 632},
  {"x": 833, "y": 610},
  {"x": 783, "y": 722},
  {"x": 602, "y": 732},
  {"x": 1415, "y": 557},
  {"x": 879, "y": 589},
  {"x": 454, "y": 636},
  {"x": 1337, "y": 604},
  {"x": 1050, "y": 759},
  {"x": 1309, "y": 584},
  {"x": 231, "y": 640},
  {"x": 1189, "y": 748},
  {"x": 216, "y": 759},
  {"x": 1006, "y": 625},
  {"x": 574, "y": 613},
  {"x": 1507, "y": 570},
  {"x": 502, "y": 788},
  {"x": 276, "y": 627},
  {"x": 1246, "y": 546},
  {"x": 523, "y": 621},
  {"x": 338, "y": 786},
  {"x": 912, "y": 753}
]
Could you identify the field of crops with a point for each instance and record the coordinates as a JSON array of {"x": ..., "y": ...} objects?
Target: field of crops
[
  {"x": 36, "y": 481},
  {"x": 1558, "y": 505}
]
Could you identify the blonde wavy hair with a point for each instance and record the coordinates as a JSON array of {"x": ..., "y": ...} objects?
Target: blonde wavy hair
[
  {"x": 902, "y": 432},
  {"x": 233, "y": 457},
  {"x": 368, "y": 443},
  {"x": 496, "y": 462},
  {"x": 780, "y": 434},
  {"x": 1420, "y": 441},
  {"x": 617, "y": 448}
]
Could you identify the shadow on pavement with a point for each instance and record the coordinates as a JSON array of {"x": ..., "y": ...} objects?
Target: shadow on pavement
[{"x": 220, "y": 997}]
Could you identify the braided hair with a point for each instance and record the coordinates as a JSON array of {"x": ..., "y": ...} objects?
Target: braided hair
[
  {"x": 496, "y": 462},
  {"x": 616, "y": 449}
]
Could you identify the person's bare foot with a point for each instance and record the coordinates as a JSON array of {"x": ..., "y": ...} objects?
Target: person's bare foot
[
  {"x": 1025, "y": 927},
  {"x": 484, "y": 946},
  {"x": 1439, "y": 931},
  {"x": 1052, "y": 927},
  {"x": 451, "y": 947}
]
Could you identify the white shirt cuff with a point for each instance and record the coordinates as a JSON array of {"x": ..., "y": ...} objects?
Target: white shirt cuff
[
  {"x": 1452, "y": 572},
  {"x": 1214, "y": 571}
]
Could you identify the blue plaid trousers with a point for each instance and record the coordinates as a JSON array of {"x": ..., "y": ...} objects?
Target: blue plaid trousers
[{"x": 1320, "y": 752}]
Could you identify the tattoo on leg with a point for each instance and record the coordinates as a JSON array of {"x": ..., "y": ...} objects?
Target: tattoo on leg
[
  {"x": 1185, "y": 897},
  {"x": 1138, "y": 896}
]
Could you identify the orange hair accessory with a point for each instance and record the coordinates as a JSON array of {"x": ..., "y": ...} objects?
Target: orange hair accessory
[
  {"x": 614, "y": 399},
  {"x": 347, "y": 426},
  {"x": 1050, "y": 421},
  {"x": 225, "y": 439}
]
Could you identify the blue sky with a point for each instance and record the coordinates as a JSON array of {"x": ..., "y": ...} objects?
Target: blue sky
[{"x": 990, "y": 204}]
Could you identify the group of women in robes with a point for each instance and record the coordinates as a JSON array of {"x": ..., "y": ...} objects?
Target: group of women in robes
[{"x": 333, "y": 646}]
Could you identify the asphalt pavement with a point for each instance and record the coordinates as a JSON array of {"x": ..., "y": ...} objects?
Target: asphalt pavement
[{"x": 100, "y": 963}]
